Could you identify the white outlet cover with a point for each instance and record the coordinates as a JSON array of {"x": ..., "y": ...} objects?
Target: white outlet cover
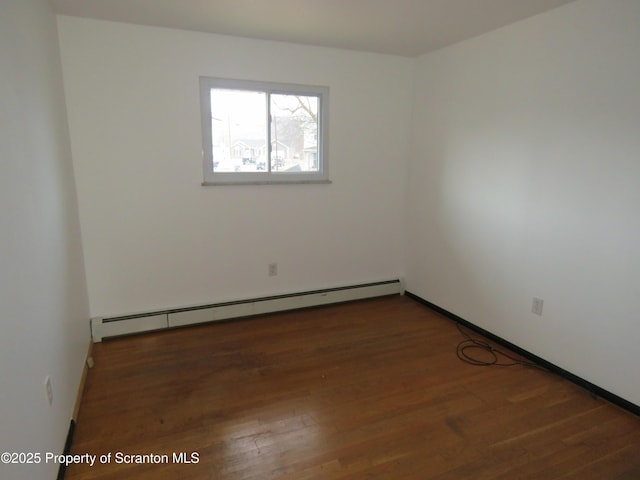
[
  {"x": 536, "y": 306},
  {"x": 273, "y": 269},
  {"x": 48, "y": 390}
]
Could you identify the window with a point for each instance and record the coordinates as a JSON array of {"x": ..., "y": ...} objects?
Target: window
[{"x": 259, "y": 132}]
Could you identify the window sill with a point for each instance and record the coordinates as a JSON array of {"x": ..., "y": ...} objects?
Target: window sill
[{"x": 266, "y": 182}]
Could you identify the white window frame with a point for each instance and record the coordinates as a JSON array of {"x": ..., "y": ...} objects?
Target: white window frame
[{"x": 268, "y": 177}]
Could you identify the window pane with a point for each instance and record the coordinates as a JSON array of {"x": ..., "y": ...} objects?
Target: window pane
[
  {"x": 239, "y": 130},
  {"x": 294, "y": 133}
]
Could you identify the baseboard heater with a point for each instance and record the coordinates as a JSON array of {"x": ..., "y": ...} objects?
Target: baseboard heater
[{"x": 105, "y": 327}]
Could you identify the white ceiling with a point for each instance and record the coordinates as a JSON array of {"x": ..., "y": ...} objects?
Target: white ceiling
[{"x": 399, "y": 27}]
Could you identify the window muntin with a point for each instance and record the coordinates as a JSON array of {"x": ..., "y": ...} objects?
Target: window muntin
[{"x": 257, "y": 132}]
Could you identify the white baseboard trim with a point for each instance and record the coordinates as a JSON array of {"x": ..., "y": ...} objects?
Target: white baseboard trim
[{"x": 105, "y": 327}]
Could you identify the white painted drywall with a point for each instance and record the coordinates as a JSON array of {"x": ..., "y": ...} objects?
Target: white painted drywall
[
  {"x": 524, "y": 182},
  {"x": 154, "y": 237},
  {"x": 43, "y": 299}
]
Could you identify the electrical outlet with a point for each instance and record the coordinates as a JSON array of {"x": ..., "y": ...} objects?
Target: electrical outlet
[
  {"x": 49, "y": 390},
  {"x": 273, "y": 269},
  {"x": 536, "y": 306}
]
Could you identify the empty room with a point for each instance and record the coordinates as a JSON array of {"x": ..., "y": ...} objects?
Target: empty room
[{"x": 302, "y": 239}]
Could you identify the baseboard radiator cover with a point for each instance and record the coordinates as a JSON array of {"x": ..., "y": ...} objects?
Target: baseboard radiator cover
[{"x": 106, "y": 327}]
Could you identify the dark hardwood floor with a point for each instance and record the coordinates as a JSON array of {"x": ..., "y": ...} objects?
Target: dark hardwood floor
[{"x": 365, "y": 390}]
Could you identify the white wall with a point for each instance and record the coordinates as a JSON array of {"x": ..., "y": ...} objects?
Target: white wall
[
  {"x": 154, "y": 237},
  {"x": 524, "y": 182},
  {"x": 43, "y": 299}
]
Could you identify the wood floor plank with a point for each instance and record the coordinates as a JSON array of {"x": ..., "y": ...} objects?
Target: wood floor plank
[{"x": 369, "y": 389}]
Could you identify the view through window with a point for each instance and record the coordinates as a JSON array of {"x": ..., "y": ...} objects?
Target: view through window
[{"x": 263, "y": 132}]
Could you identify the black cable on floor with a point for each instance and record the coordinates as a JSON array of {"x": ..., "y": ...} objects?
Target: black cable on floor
[{"x": 465, "y": 348}]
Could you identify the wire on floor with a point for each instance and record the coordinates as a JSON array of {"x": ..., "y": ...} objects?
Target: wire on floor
[{"x": 471, "y": 344}]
